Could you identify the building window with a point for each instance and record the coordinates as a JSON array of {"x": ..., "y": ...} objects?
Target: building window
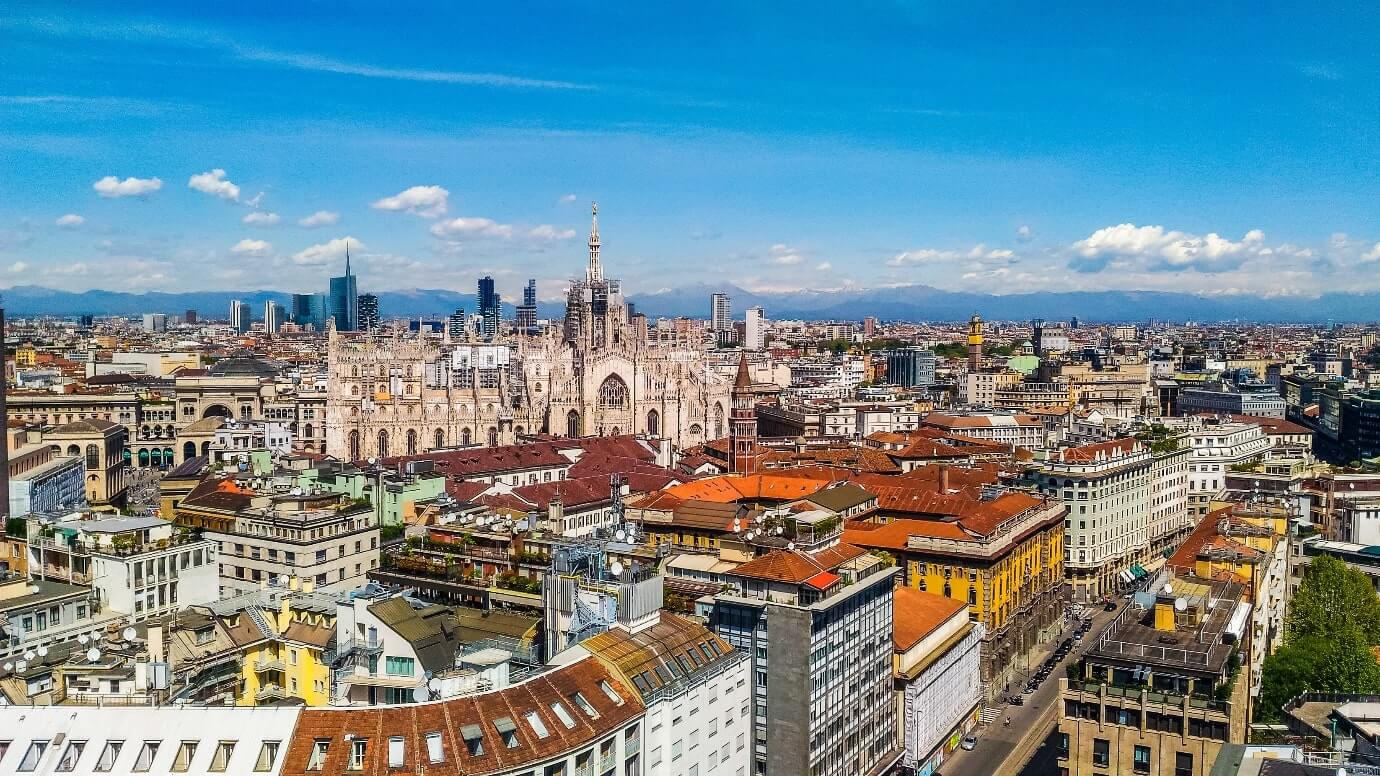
[
  {"x": 144, "y": 761},
  {"x": 1183, "y": 764},
  {"x": 1101, "y": 752},
  {"x": 434, "y": 750},
  {"x": 268, "y": 754},
  {"x": 221, "y": 762},
  {"x": 1141, "y": 763},
  {"x": 358, "y": 748},
  {"x": 395, "y": 751},
  {"x": 399, "y": 666},
  {"x": 70, "y": 756},
  {"x": 32, "y": 755},
  {"x": 109, "y": 754},
  {"x": 317, "y": 761},
  {"x": 183, "y": 761}
]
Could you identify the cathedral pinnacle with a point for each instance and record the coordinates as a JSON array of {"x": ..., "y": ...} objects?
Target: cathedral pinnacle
[{"x": 595, "y": 273}]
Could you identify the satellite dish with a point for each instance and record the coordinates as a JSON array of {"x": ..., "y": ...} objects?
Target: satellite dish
[
  {"x": 129, "y": 633},
  {"x": 790, "y": 545},
  {"x": 617, "y": 568},
  {"x": 9, "y": 666},
  {"x": 93, "y": 654},
  {"x": 1180, "y": 605},
  {"x": 780, "y": 529},
  {"x": 21, "y": 665},
  {"x": 34, "y": 588},
  {"x": 28, "y": 654},
  {"x": 760, "y": 518},
  {"x": 1168, "y": 589},
  {"x": 434, "y": 685},
  {"x": 373, "y": 460},
  {"x": 621, "y": 535},
  {"x": 82, "y": 638},
  {"x": 42, "y": 651},
  {"x": 420, "y": 694},
  {"x": 737, "y": 525}
]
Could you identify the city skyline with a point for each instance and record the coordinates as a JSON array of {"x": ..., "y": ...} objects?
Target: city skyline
[{"x": 986, "y": 152}]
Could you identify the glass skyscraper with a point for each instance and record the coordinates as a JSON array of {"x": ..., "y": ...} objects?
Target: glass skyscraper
[{"x": 344, "y": 300}]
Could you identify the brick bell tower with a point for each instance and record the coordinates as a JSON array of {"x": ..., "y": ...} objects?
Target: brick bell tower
[{"x": 742, "y": 425}]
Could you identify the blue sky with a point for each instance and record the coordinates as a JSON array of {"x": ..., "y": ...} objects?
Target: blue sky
[{"x": 773, "y": 146}]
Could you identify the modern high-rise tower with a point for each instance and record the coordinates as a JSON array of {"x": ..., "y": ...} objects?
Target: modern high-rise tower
[
  {"x": 527, "y": 311},
  {"x": 239, "y": 316},
  {"x": 721, "y": 317},
  {"x": 368, "y": 312},
  {"x": 274, "y": 316},
  {"x": 344, "y": 299},
  {"x": 488, "y": 307},
  {"x": 754, "y": 328}
]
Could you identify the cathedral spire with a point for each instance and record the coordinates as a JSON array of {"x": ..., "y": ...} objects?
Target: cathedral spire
[{"x": 595, "y": 273}]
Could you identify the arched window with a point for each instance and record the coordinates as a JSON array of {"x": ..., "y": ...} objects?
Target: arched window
[
  {"x": 718, "y": 420},
  {"x": 73, "y": 451},
  {"x": 306, "y": 431},
  {"x": 492, "y": 436},
  {"x": 411, "y": 442},
  {"x": 613, "y": 393},
  {"x": 246, "y": 412},
  {"x": 93, "y": 458},
  {"x": 205, "y": 448},
  {"x": 440, "y": 438},
  {"x": 167, "y": 457},
  {"x": 572, "y": 424},
  {"x": 466, "y": 437},
  {"x": 354, "y": 445},
  {"x": 696, "y": 429},
  {"x": 143, "y": 457},
  {"x": 383, "y": 444},
  {"x": 354, "y": 389},
  {"x": 653, "y": 423},
  {"x": 188, "y": 450}
]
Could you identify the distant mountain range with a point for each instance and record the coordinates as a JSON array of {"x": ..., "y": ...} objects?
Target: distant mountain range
[{"x": 915, "y": 303}]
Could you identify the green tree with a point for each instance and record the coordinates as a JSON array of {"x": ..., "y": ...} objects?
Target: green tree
[
  {"x": 1331, "y": 599},
  {"x": 1286, "y": 674},
  {"x": 1347, "y": 665}
]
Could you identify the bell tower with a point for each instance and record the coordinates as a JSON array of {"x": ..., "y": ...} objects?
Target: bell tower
[{"x": 742, "y": 425}]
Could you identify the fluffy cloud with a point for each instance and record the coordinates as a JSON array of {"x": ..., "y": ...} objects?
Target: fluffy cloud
[
  {"x": 326, "y": 252},
  {"x": 70, "y": 221},
  {"x": 18, "y": 267},
  {"x": 1024, "y": 233},
  {"x": 978, "y": 253},
  {"x": 215, "y": 184},
  {"x": 1154, "y": 248},
  {"x": 319, "y": 218},
  {"x": 824, "y": 266},
  {"x": 425, "y": 201},
  {"x": 260, "y": 218},
  {"x": 785, "y": 256},
  {"x": 549, "y": 232},
  {"x": 471, "y": 228},
  {"x": 112, "y": 187},
  {"x": 256, "y": 248},
  {"x": 1371, "y": 255}
]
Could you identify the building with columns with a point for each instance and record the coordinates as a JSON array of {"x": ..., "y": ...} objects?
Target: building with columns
[{"x": 595, "y": 374}]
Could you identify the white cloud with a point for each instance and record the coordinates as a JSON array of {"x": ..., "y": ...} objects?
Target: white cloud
[
  {"x": 1372, "y": 255},
  {"x": 18, "y": 267},
  {"x": 111, "y": 187},
  {"x": 1024, "y": 233},
  {"x": 824, "y": 266},
  {"x": 260, "y": 218},
  {"x": 549, "y": 232},
  {"x": 785, "y": 256},
  {"x": 254, "y": 200},
  {"x": 70, "y": 221},
  {"x": 256, "y": 248},
  {"x": 1155, "y": 248},
  {"x": 470, "y": 228},
  {"x": 319, "y": 218},
  {"x": 215, "y": 184},
  {"x": 425, "y": 201},
  {"x": 567, "y": 199},
  {"x": 326, "y": 252},
  {"x": 78, "y": 268},
  {"x": 322, "y": 64}
]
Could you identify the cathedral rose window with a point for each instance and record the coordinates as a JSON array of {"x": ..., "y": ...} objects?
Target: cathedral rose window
[{"x": 613, "y": 394}]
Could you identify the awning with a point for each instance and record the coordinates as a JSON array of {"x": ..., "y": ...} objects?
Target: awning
[
  {"x": 504, "y": 725},
  {"x": 1126, "y": 576},
  {"x": 471, "y": 733}
]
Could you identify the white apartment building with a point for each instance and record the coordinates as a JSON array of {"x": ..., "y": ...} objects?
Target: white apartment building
[
  {"x": 1006, "y": 428},
  {"x": 1217, "y": 446},
  {"x": 1107, "y": 489},
  {"x": 938, "y": 665},
  {"x": 1170, "y": 520},
  {"x": 140, "y": 567},
  {"x": 754, "y": 329}
]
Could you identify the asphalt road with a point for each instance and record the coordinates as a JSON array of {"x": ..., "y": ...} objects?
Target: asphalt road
[{"x": 1030, "y": 725}]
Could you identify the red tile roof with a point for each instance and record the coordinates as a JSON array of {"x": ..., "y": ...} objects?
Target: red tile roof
[
  {"x": 797, "y": 567},
  {"x": 916, "y": 614}
]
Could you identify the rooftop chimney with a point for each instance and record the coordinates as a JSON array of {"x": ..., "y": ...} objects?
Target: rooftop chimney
[{"x": 944, "y": 478}]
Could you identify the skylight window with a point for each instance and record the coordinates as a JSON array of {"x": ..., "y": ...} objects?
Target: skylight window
[
  {"x": 563, "y": 714},
  {"x": 584, "y": 704},
  {"x": 534, "y": 721},
  {"x": 610, "y": 692}
]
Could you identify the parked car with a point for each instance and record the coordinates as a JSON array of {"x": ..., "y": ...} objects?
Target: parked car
[
  {"x": 1017, "y": 700},
  {"x": 969, "y": 743},
  {"x": 1110, "y": 607}
]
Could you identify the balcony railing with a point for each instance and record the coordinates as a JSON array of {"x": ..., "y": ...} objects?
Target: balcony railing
[
  {"x": 269, "y": 664},
  {"x": 270, "y": 691}
]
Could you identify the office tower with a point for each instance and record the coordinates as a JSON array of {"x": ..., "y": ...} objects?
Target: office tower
[
  {"x": 344, "y": 302},
  {"x": 455, "y": 324},
  {"x": 754, "y": 329},
  {"x": 368, "y": 312},
  {"x": 869, "y": 327},
  {"x": 86, "y": 321},
  {"x": 910, "y": 367},
  {"x": 310, "y": 310},
  {"x": 818, "y": 636},
  {"x": 274, "y": 316},
  {"x": 155, "y": 322},
  {"x": 239, "y": 316},
  {"x": 527, "y": 311},
  {"x": 721, "y": 317},
  {"x": 189, "y": 317},
  {"x": 488, "y": 307}
]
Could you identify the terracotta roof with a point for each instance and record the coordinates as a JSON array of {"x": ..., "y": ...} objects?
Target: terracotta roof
[
  {"x": 943, "y": 420},
  {"x": 1272, "y": 426},
  {"x": 916, "y": 614},
  {"x": 1100, "y": 451},
  {"x": 773, "y": 485},
  {"x": 478, "y": 715},
  {"x": 794, "y": 566}
]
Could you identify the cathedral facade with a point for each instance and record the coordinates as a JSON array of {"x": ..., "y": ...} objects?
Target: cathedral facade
[{"x": 594, "y": 373}]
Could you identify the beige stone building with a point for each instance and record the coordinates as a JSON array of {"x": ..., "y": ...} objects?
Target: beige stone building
[
  {"x": 595, "y": 374},
  {"x": 101, "y": 446}
]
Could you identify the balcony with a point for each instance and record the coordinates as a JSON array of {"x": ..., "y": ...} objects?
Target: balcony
[
  {"x": 269, "y": 692},
  {"x": 269, "y": 664}
]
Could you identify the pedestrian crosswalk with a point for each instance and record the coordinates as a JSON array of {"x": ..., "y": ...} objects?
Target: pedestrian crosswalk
[{"x": 988, "y": 715}]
